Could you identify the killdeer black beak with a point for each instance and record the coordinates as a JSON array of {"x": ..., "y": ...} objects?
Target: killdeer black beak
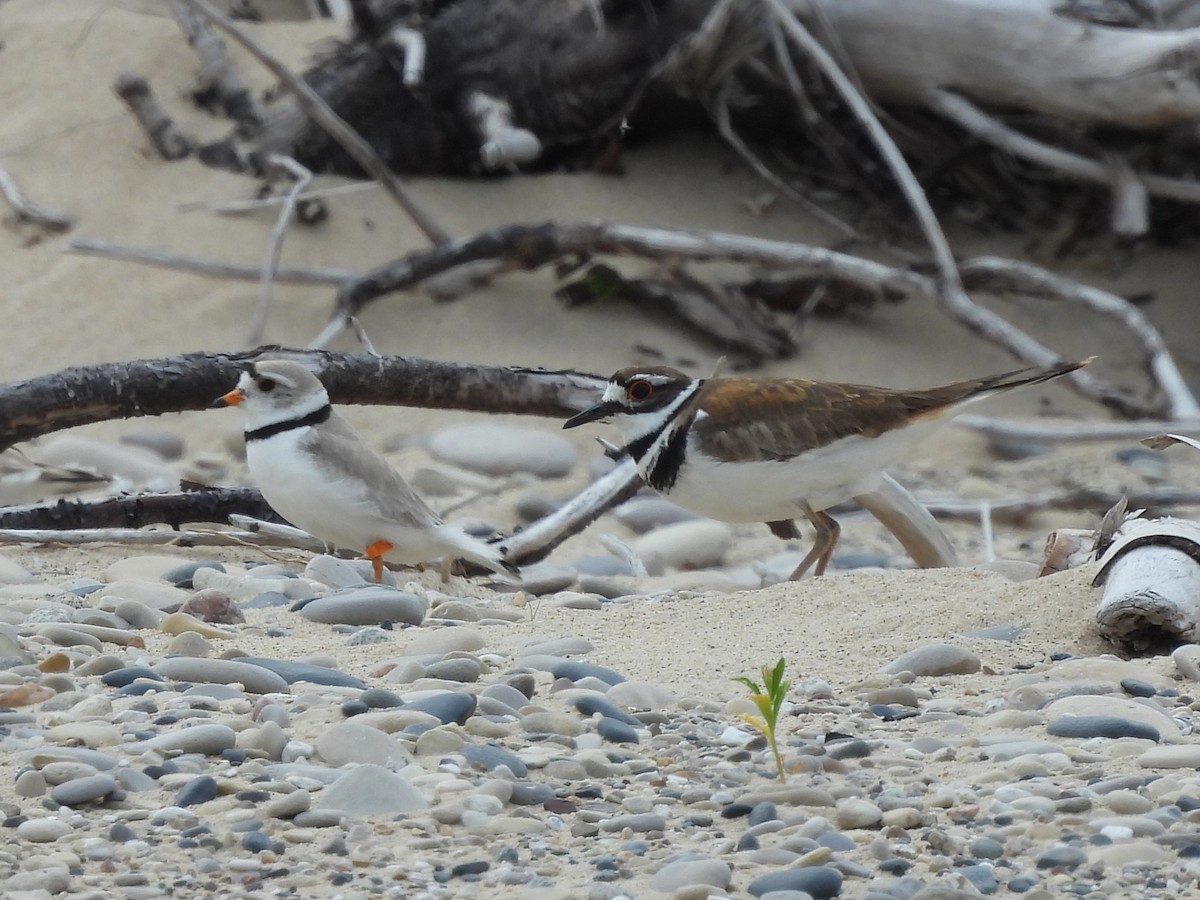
[
  {"x": 233, "y": 398},
  {"x": 599, "y": 411}
]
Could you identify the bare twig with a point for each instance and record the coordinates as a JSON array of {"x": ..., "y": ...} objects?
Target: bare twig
[
  {"x": 1074, "y": 432},
  {"x": 241, "y": 207},
  {"x": 994, "y": 132},
  {"x": 320, "y": 112},
  {"x": 168, "y": 140},
  {"x": 50, "y": 219},
  {"x": 992, "y": 274},
  {"x": 156, "y": 536},
  {"x": 208, "y": 268},
  {"x": 219, "y": 72},
  {"x": 270, "y": 264},
  {"x": 1015, "y": 509}
]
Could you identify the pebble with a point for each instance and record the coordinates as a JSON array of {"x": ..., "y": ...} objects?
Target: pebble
[
  {"x": 935, "y": 659},
  {"x": 256, "y": 679},
  {"x": 817, "y": 881},
  {"x": 697, "y": 544},
  {"x": 366, "y": 606},
  {"x": 370, "y": 790},
  {"x": 504, "y": 450}
]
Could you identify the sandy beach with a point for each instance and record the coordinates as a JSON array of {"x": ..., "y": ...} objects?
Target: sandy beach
[{"x": 69, "y": 143}]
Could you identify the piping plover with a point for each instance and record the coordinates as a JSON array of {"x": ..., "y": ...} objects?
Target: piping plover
[
  {"x": 769, "y": 450},
  {"x": 318, "y": 473}
]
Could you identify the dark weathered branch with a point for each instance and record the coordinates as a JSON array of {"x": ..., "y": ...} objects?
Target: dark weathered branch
[
  {"x": 334, "y": 125},
  {"x": 140, "y": 510},
  {"x": 151, "y": 387}
]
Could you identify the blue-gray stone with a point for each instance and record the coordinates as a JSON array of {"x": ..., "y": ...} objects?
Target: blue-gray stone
[
  {"x": 818, "y": 881},
  {"x": 982, "y": 877},
  {"x": 1137, "y": 688},
  {"x": 447, "y": 707},
  {"x": 617, "y": 732},
  {"x": 490, "y": 756},
  {"x": 530, "y": 793},
  {"x": 1021, "y": 884},
  {"x": 372, "y": 605},
  {"x": 265, "y": 600},
  {"x": 181, "y": 576},
  {"x": 577, "y": 671},
  {"x": 291, "y": 672},
  {"x": 835, "y": 840},
  {"x": 891, "y": 713},
  {"x": 139, "y": 687},
  {"x": 748, "y": 841},
  {"x": 1062, "y": 856},
  {"x": 986, "y": 848},
  {"x": 255, "y": 841},
  {"x": 381, "y": 698},
  {"x": 128, "y": 674},
  {"x": 198, "y": 790},
  {"x": 766, "y": 811},
  {"x": 590, "y": 704},
  {"x": 87, "y": 789},
  {"x": 121, "y": 833},
  {"x": 1101, "y": 726}
]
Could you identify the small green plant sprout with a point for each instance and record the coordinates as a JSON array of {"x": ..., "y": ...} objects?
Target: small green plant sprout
[{"x": 768, "y": 697}]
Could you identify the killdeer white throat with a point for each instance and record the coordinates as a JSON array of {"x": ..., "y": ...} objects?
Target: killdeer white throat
[
  {"x": 318, "y": 473},
  {"x": 769, "y": 450}
]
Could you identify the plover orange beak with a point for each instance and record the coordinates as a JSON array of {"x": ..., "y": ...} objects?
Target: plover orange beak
[{"x": 233, "y": 398}]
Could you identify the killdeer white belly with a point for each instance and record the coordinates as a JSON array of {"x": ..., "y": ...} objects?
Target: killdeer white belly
[
  {"x": 318, "y": 473},
  {"x": 770, "y": 450}
]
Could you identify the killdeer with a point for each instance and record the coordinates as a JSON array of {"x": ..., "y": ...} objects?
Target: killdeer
[
  {"x": 318, "y": 473},
  {"x": 769, "y": 450}
]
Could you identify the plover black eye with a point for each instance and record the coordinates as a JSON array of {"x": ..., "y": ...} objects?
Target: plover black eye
[
  {"x": 266, "y": 385},
  {"x": 639, "y": 390}
]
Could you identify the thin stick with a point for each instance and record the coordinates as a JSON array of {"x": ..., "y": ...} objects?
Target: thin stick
[
  {"x": 1075, "y": 432},
  {"x": 334, "y": 125},
  {"x": 949, "y": 289},
  {"x": 163, "y": 536},
  {"x": 241, "y": 207},
  {"x": 992, "y": 131},
  {"x": 1028, "y": 279},
  {"x": 51, "y": 219},
  {"x": 209, "y": 268},
  {"x": 274, "y": 247}
]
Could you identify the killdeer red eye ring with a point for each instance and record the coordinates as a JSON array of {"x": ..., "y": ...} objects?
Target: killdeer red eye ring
[{"x": 639, "y": 390}]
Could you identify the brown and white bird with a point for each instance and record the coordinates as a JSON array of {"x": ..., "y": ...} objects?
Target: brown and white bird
[
  {"x": 318, "y": 473},
  {"x": 770, "y": 450}
]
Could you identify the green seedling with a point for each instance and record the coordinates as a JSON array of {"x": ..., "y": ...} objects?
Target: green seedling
[{"x": 768, "y": 697}]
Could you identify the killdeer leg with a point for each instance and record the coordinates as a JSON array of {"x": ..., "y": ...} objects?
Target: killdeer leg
[
  {"x": 375, "y": 553},
  {"x": 825, "y": 540}
]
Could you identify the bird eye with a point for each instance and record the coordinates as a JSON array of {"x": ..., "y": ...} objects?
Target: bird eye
[
  {"x": 266, "y": 385},
  {"x": 639, "y": 390}
]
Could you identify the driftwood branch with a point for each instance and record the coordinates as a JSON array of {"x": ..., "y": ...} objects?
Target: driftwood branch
[
  {"x": 50, "y": 219},
  {"x": 150, "y": 387},
  {"x": 301, "y": 177},
  {"x": 320, "y": 112},
  {"x": 140, "y": 510},
  {"x": 209, "y": 268},
  {"x": 532, "y": 246}
]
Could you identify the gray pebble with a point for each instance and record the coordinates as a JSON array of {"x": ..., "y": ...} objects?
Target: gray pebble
[
  {"x": 504, "y": 450},
  {"x": 1101, "y": 726},
  {"x": 935, "y": 659},
  {"x": 818, "y": 881},
  {"x": 255, "y": 679},
  {"x": 79, "y": 791},
  {"x": 369, "y": 790},
  {"x": 683, "y": 872},
  {"x": 366, "y": 606},
  {"x": 292, "y": 671},
  {"x": 639, "y": 823}
]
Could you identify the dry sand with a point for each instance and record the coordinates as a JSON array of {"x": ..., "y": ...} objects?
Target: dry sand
[{"x": 66, "y": 139}]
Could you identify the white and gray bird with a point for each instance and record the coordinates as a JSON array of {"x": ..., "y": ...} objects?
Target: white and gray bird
[{"x": 318, "y": 473}]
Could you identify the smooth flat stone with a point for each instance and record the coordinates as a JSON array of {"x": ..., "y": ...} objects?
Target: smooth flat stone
[
  {"x": 681, "y": 873},
  {"x": 366, "y": 606},
  {"x": 255, "y": 679},
  {"x": 504, "y": 450},
  {"x": 935, "y": 659},
  {"x": 291, "y": 672},
  {"x": 819, "y": 882},
  {"x": 1146, "y": 712},
  {"x": 352, "y": 742},
  {"x": 593, "y": 704},
  {"x": 698, "y": 544},
  {"x": 490, "y": 756},
  {"x": 1101, "y": 726},
  {"x": 209, "y": 739},
  {"x": 79, "y": 791},
  {"x": 370, "y": 790}
]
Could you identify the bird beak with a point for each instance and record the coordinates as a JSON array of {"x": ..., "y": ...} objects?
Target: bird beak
[
  {"x": 233, "y": 398},
  {"x": 601, "y": 410}
]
